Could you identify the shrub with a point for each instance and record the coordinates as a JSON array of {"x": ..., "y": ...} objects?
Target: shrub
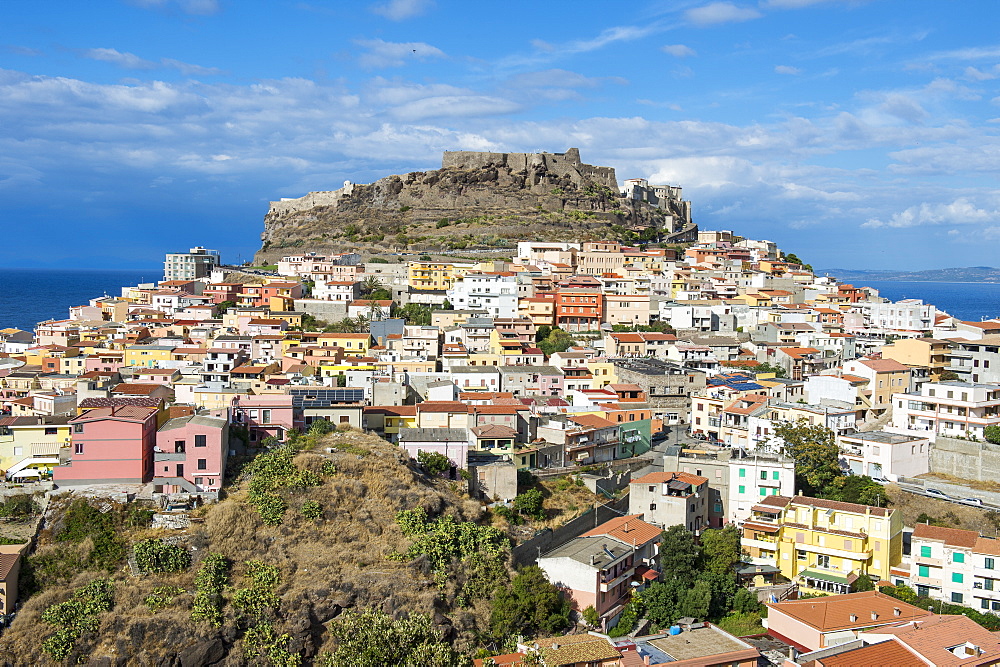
[
  {"x": 320, "y": 427},
  {"x": 443, "y": 222},
  {"x": 209, "y": 582},
  {"x": 259, "y": 596},
  {"x": 312, "y": 509},
  {"x": 76, "y": 616},
  {"x": 529, "y": 503},
  {"x": 157, "y": 556},
  {"x": 433, "y": 462},
  {"x": 591, "y": 616},
  {"x": 162, "y": 596}
]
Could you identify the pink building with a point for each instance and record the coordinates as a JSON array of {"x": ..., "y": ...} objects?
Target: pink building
[
  {"x": 450, "y": 442},
  {"x": 265, "y": 415},
  {"x": 112, "y": 444},
  {"x": 191, "y": 454}
]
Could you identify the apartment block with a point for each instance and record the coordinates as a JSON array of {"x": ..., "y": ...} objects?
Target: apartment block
[{"x": 956, "y": 566}]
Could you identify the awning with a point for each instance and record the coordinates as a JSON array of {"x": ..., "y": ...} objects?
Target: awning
[
  {"x": 27, "y": 472},
  {"x": 823, "y": 575},
  {"x": 646, "y": 573},
  {"x": 750, "y": 570},
  {"x": 762, "y": 527}
]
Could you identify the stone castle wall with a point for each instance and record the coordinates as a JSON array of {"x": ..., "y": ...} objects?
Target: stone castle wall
[{"x": 563, "y": 164}]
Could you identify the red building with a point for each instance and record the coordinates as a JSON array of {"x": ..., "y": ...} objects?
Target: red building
[
  {"x": 111, "y": 445},
  {"x": 579, "y": 309}
]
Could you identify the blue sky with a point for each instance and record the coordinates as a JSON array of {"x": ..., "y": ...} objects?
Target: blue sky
[{"x": 857, "y": 134}]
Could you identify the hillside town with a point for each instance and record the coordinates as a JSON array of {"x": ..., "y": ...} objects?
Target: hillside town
[{"x": 703, "y": 392}]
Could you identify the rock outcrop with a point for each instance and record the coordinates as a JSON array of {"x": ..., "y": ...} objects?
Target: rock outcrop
[{"x": 475, "y": 200}]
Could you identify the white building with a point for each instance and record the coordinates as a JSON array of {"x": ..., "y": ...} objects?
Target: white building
[
  {"x": 955, "y": 566},
  {"x": 496, "y": 294},
  {"x": 907, "y": 315},
  {"x": 755, "y": 477},
  {"x": 955, "y": 409},
  {"x": 196, "y": 263},
  {"x": 343, "y": 291},
  {"x": 883, "y": 454}
]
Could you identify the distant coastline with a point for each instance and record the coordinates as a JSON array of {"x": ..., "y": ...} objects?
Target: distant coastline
[{"x": 970, "y": 274}]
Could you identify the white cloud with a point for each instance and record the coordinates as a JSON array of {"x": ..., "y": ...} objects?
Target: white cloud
[
  {"x": 202, "y": 7},
  {"x": 720, "y": 12},
  {"x": 399, "y": 10},
  {"x": 678, "y": 50},
  {"x": 380, "y": 53},
  {"x": 974, "y": 74},
  {"x": 188, "y": 69},
  {"x": 120, "y": 58},
  {"x": 960, "y": 211},
  {"x": 787, "y": 69}
]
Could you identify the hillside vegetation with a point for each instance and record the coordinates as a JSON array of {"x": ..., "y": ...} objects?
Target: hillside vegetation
[{"x": 307, "y": 544}]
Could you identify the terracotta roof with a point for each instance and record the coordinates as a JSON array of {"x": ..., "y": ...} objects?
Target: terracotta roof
[
  {"x": 952, "y": 536},
  {"x": 839, "y": 506},
  {"x": 494, "y": 409},
  {"x": 442, "y": 406},
  {"x": 7, "y": 563},
  {"x": 494, "y": 431},
  {"x": 933, "y": 636},
  {"x": 884, "y": 653},
  {"x": 129, "y": 412},
  {"x": 834, "y": 612},
  {"x": 884, "y": 365},
  {"x": 660, "y": 477},
  {"x": 573, "y": 649},
  {"x": 141, "y": 401},
  {"x": 134, "y": 389},
  {"x": 629, "y": 529},
  {"x": 591, "y": 421}
]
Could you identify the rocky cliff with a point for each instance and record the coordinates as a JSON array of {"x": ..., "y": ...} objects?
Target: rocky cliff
[{"x": 476, "y": 200}]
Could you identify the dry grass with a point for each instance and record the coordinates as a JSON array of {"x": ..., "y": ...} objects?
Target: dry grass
[
  {"x": 337, "y": 561},
  {"x": 563, "y": 500},
  {"x": 971, "y": 483},
  {"x": 950, "y": 514}
]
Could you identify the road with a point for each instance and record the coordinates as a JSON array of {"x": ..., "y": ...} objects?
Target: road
[{"x": 922, "y": 491}]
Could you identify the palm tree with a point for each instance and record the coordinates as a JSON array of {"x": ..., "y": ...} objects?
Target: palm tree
[{"x": 370, "y": 284}]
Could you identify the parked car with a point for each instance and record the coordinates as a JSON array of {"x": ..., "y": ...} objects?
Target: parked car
[
  {"x": 881, "y": 480},
  {"x": 936, "y": 492}
]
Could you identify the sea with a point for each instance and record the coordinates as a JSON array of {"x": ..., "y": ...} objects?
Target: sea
[
  {"x": 29, "y": 296},
  {"x": 972, "y": 302}
]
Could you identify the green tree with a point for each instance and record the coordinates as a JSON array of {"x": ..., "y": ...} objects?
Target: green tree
[
  {"x": 415, "y": 314},
  {"x": 696, "y": 601},
  {"x": 778, "y": 371},
  {"x": 531, "y": 604},
  {"x": 817, "y": 457},
  {"x": 529, "y": 503},
  {"x": 320, "y": 427},
  {"x": 371, "y": 284},
  {"x": 225, "y": 305},
  {"x": 678, "y": 555},
  {"x": 862, "y": 583},
  {"x": 542, "y": 332},
  {"x": 857, "y": 489},
  {"x": 947, "y": 376},
  {"x": 992, "y": 434},
  {"x": 660, "y": 599},
  {"x": 434, "y": 463},
  {"x": 372, "y": 638},
  {"x": 557, "y": 341},
  {"x": 746, "y": 602},
  {"x": 447, "y": 305},
  {"x": 592, "y": 618},
  {"x": 721, "y": 551}
]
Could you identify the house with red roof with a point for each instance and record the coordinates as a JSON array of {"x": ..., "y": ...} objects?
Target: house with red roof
[{"x": 110, "y": 445}]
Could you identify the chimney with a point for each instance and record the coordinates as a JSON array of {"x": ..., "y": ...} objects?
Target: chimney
[
  {"x": 896, "y": 611},
  {"x": 874, "y": 616},
  {"x": 854, "y": 618}
]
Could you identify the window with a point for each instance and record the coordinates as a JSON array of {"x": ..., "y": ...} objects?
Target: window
[
  {"x": 988, "y": 584},
  {"x": 996, "y": 605},
  {"x": 988, "y": 564},
  {"x": 77, "y": 428},
  {"x": 51, "y": 431},
  {"x": 956, "y": 597},
  {"x": 743, "y": 489},
  {"x": 652, "y": 506},
  {"x": 202, "y": 464},
  {"x": 199, "y": 440},
  {"x": 78, "y": 448},
  {"x": 957, "y": 577},
  {"x": 266, "y": 416},
  {"x": 800, "y": 555},
  {"x": 198, "y": 481},
  {"x": 652, "y": 489},
  {"x": 743, "y": 472},
  {"x": 925, "y": 552},
  {"x": 823, "y": 561},
  {"x": 957, "y": 558},
  {"x": 923, "y": 591},
  {"x": 762, "y": 491},
  {"x": 985, "y": 603},
  {"x": 923, "y": 571},
  {"x": 763, "y": 475},
  {"x": 775, "y": 475}
]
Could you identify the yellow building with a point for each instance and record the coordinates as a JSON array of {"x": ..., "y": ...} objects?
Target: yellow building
[
  {"x": 434, "y": 275},
  {"x": 76, "y": 365},
  {"x": 25, "y": 438},
  {"x": 603, "y": 373},
  {"x": 920, "y": 353},
  {"x": 539, "y": 309},
  {"x": 824, "y": 545},
  {"x": 350, "y": 343},
  {"x": 148, "y": 356}
]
